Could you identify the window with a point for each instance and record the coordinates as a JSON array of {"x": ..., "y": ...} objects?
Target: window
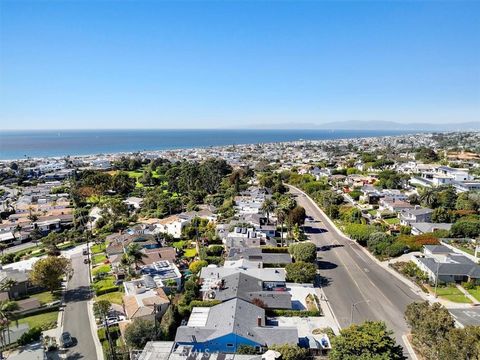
[{"x": 230, "y": 345}]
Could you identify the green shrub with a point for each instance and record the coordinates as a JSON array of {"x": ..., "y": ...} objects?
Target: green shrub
[
  {"x": 106, "y": 290},
  {"x": 306, "y": 252},
  {"x": 215, "y": 250},
  {"x": 30, "y": 336},
  {"x": 293, "y": 313}
]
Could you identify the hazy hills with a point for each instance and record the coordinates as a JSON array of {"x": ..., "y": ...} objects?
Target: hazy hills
[{"x": 374, "y": 125}]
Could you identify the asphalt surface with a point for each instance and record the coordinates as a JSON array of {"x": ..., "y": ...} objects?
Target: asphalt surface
[
  {"x": 352, "y": 280},
  {"x": 469, "y": 316},
  {"x": 76, "y": 320}
]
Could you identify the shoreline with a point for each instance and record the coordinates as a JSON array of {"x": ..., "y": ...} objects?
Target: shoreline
[{"x": 159, "y": 152}]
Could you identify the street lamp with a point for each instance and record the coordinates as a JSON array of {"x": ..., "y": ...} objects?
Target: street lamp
[{"x": 354, "y": 306}]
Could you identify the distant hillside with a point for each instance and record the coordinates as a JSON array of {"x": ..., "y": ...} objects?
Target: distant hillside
[{"x": 375, "y": 125}]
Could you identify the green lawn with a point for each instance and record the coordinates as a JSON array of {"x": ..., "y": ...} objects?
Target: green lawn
[
  {"x": 99, "y": 258},
  {"x": 189, "y": 253},
  {"x": 45, "y": 321},
  {"x": 46, "y": 297},
  {"x": 98, "y": 248},
  {"x": 106, "y": 282},
  {"x": 392, "y": 221},
  {"x": 475, "y": 292},
  {"x": 465, "y": 249},
  {"x": 453, "y": 294},
  {"x": 102, "y": 269},
  {"x": 113, "y": 297},
  {"x": 179, "y": 244}
]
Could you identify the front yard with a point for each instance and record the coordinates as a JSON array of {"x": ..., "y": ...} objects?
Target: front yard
[
  {"x": 113, "y": 297},
  {"x": 44, "y": 321},
  {"x": 453, "y": 294},
  {"x": 46, "y": 297},
  {"x": 475, "y": 292}
]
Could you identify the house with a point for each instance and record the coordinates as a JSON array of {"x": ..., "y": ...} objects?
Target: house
[
  {"x": 21, "y": 286},
  {"x": 117, "y": 243},
  {"x": 442, "y": 264},
  {"x": 394, "y": 206},
  {"x": 272, "y": 277},
  {"x": 258, "y": 254},
  {"x": 415, "y": 215},
  {"x": 158, "y": 254},
  {"x": 226, "y": 326},
  {"x": 427, "y": 227},
  {"x": 162, "y": 272},
  {"x": 144, "y": 298},
  {"x": 134, "y": 203},
  {"x": 166, "y": 350},
  {"x": 173, "y": 225},
  {"x": 248, "y": 288}
]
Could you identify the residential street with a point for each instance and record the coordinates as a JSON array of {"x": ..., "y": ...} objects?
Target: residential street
[
  {"x": 355, "y": 284},
  {"x": 76, "y": 320}
]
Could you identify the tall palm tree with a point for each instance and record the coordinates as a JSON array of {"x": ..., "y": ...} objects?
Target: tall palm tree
[
  {"x": 267, "y": 207},
  {"x": 6, "y": 313},
  {"x": 281, "y": 216},
  {"x": 429, "y": 197},
  {"x": 135, "y": 253}
]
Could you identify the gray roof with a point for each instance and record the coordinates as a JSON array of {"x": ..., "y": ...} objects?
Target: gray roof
[
  {"x": 461, "y": 267},
  {"x": 430, "y": 227},
  {"x": 248, "y": 288},
  {"x": 239, "y": 317},
  {"x": 418, "y": 211},
  {"x": 256, "y": 254},
  {"x": 438, "y": 249},
  {"x": 266, "y": 274},
  {"x": 13, "y": 274}
]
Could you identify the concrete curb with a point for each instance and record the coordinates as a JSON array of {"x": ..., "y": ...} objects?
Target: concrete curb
[
  {"x": 93, "y": 328},
  {"x": 409, "y": 347}
]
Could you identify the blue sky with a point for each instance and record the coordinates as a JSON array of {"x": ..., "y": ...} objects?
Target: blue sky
[{"x": 152, "y": 64}]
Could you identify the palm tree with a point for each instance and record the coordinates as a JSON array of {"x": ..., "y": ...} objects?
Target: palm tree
[
  {"x": 6, "y": 312},
  {"x": 3, "y": 247},
  {"x": 429, "y": 197},
  {"x": 267, "y": 207},
  {"x": 135, "y": 254},
  {"x": 281, "y": 216}
]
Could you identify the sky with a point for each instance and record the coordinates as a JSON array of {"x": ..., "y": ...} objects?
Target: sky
[{"x": 226, "y": 64}]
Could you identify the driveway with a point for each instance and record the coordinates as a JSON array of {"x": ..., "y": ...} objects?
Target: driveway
[{"x": 76, "y": 320}]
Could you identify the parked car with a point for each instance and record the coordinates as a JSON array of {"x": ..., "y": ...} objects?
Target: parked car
[
  {"x": 86, "y": 261},
  {"x": 66, "y": 340},
  {"x": 85, "y": 251}
]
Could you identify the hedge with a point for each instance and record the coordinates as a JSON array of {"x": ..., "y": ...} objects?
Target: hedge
[
  {"x": 206, "y": 303},
  {"x": 291, "y": 313},
  {"x": 106, "y": 290},
  {"x": 275, "y": 250}
]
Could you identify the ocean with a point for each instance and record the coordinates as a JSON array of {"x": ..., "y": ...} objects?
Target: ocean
[{"x": 16, "y": 144}]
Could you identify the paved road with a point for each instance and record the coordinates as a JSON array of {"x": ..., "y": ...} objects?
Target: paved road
[
  {"x": 351, "y": 277},
  {"x": 76, "y": 320},
  {"x": 468, "y": 316}
]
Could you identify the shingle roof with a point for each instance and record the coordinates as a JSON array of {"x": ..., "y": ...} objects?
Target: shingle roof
[
  {"x": 248, "y": 288},
  {"x": 239, "y": 317}
]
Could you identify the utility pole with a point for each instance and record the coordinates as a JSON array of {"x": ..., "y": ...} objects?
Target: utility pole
[{"x": 436, "y": 280}]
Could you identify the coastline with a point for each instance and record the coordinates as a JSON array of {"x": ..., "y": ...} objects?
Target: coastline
[{"x": 263, "y": 137}]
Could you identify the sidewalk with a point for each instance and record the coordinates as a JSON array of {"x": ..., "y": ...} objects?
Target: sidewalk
[{"x": 468, "y": 295}]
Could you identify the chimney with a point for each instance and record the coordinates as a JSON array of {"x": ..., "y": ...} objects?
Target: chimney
[{"x": 259, "y": 321}]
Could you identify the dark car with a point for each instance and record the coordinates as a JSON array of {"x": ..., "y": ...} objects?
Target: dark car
[{"x": 66, "y": 340}]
